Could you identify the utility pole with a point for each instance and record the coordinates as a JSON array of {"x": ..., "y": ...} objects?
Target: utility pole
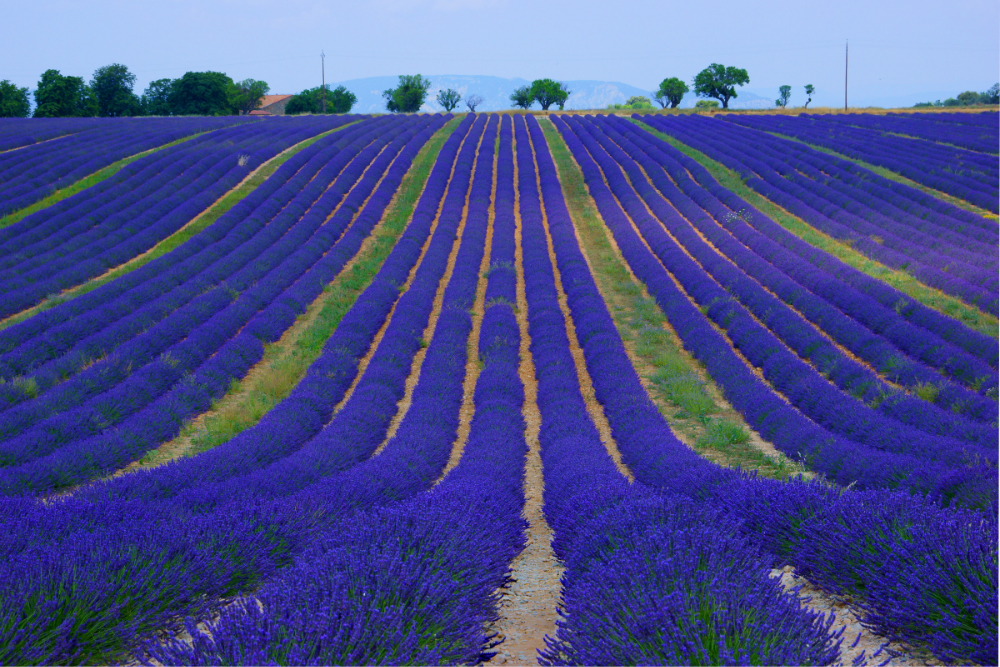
[
  {"x": 322, "y": 58},
  {"x": 845, "y": 74}
]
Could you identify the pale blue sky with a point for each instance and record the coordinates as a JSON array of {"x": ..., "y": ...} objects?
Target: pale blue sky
[{"x": 898, "y": 47}]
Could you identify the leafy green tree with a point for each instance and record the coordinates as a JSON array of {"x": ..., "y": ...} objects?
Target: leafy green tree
[
  {"x": 671, "y": 92},
  {"x": 13, "y": 101},
  {"x": 449, "y": 99},
  {"x": 112, "y": 86},
  {"x": 548, "y": 92},
  {"x": 970, "y": 97},
  {"x": 409, "y": 95},
  {"x": 784, "y": 93},
  {"x": 156, "y": 98},
  {"x": 59, "y": 96},
  {"x": 201, "y": 94},
  {"x": 992, "y": 96},
  {"x": 719, "y": 82},
  {"x": 706, "y": 104},
  {"x": 809, "y": 94},
  {"x": 639, "y": 102},
  {"x": 247, "y": 95},
  {"x": 338, "y": 100},
  {"x": 521, "y": 97}
]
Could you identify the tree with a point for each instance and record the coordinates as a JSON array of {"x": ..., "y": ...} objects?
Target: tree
[
  {"x": 449, "y": 99},
  {"x": 784, "y": 93},
  {"x": 201, "y": 94},
  {"x": 338, "y": 100},
  {"x": 548, "y": 92},
  {"x": 155, "y": 99},
  {"x": 992, "y": 96},
  {"x": 61, "y": 96},
  {"x": 969, "y": 97},
  {"x": 112, "y": 86},
  {"x": 809, "y": 94},
  {"x": 671, "y": 92},
  {"x": 706, "y": 104},
  {"x": 638, "y": 102},
  {"x": 13, "y": 101},
  {"x": 247, "y": 95},
  {"x": 521, "y": 97},
  {"x": 719, "y": 82},
  {"x": 408, "y": 96},
  {"x": 473, "y": 101}
]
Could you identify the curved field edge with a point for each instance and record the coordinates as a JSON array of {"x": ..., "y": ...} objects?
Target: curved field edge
[
  {"x": 85, "y": 182},
  {"x": 968, "y": 315},
  {"x": 678, "y": 384},
  {"x": 286, "y": 361},
  {"x": 197, "y": 224}
]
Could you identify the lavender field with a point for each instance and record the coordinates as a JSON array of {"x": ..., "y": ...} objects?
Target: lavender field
[{"x": 500, "y": 388}]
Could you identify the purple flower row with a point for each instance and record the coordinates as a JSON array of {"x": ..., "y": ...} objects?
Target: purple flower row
[
  {"x": 921, "y": 163},
  {"x": 894, "y": 247},
  {"x": 882, "y": 308},
  {"x": 34, "y": 172},
  {"x": 920, "y": 573},
  {"x": 20, "y": 132},
  {"x": 791, "y": 431},
  {"x": 975, "y": 245},
  {"x": 785, "y": 323},
  {"x": 129, "y": 374},
  {"x": 130, "y": 223},
  {"x": 360, "y": 591},
  {"x": 646, "y": 581},
  {"x": 778, "y": 270},
  {"x": 50, "y": 356},
  {"x": 219, "y": 553},
  {"x": 150, "y": 404},
  {"x": 981, "y": 138}
]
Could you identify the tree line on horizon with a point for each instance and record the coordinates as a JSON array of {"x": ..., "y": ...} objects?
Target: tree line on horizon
[{"x": 110, "y": 93}]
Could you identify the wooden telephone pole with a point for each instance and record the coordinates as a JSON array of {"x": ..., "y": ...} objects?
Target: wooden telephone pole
[
  {"x": 322, "y": 58},
  {"x": 845, "y": 75}
]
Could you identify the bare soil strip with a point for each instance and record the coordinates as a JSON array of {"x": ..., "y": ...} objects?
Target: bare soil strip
[
  {"x": 971, "y": 316},
  {"x": 286, "y": 361},
  {"x": 192, "y": 227},
  {"x": 528, "y": 603},
  {"x": 859, "y": 643},
  {"x": 403, "y": 405},
  {"x": 653, "y": 347}
]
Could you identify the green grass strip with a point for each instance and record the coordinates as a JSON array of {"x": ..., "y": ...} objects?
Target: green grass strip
[
  {"x": 206, "y": 219},
  {"x": 286, "y": 361},
  {"x": 971, "y": 316},
  {"x": 84, "y": 183},
  {"x": 677, "y": 382}
]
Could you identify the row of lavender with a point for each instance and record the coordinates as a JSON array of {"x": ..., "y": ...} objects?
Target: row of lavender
[
  {"x": 146, "y": 372},
  {"x": 914, "y": 363},
  {"x": 78, "y": 150},
  {"x": 232, "y": 541},
  {"x": 889, "y": 548},
  {"x": 897, "y": 225},
  {"x": 19, "y": 132},
  {"x": 968, "y": 175},
  {"x": 982, "y": 136},
  {"x": 81, "y": 237}
]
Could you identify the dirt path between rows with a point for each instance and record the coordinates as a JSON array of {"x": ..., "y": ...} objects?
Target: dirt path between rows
[{"x": 528, "y": 603}]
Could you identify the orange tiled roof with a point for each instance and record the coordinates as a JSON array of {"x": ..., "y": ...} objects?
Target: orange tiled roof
[
  {"x": 271, "y": 99},
  {"x": 260, "y": 112}
]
